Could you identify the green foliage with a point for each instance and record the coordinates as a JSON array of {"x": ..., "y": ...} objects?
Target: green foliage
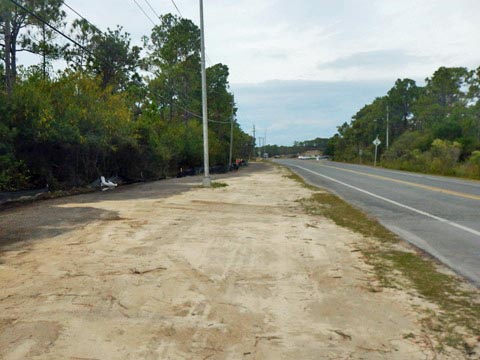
[
  {"x": 99, "y": 117},
  {"x": 114, "y": 60},
  {"x": 20, "y": 31},
  {"x": 473, "y": 165},
  {"x": 11, "y": 170},
  {"x": 217, "y": 184},
  {"x": 40, "y": 39},
  {"x": 435, "y": 128},
  {"x": 111, "y": 57},
  {"x": 445, "y": 155},
  {"x": 174, "y": 57},
  {"x": 299, "y": 147}
]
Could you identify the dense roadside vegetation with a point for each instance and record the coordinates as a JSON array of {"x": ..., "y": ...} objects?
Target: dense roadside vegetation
[
  {"x": 433, "y": 129},
  {"x": 115, "y": 109},
  {"x": 298, "y": 147}
]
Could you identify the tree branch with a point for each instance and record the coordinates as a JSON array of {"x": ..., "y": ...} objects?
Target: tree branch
[{"x": 28, "y": 50}]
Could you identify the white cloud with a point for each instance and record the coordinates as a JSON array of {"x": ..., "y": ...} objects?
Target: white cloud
[{"x": 262, "y": 40}]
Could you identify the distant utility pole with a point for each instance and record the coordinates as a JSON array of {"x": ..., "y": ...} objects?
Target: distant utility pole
[
  {"x": 260, "y": 146},
  {"x": 231, "y": 139},
  {"x": 206, "y": 165},
  {"x": 264, "y": 143},
  {"x": 388, "y": 115},
  {"x": 254, "y": 141}
]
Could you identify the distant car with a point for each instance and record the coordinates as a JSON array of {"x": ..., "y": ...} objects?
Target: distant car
[{"x": 306, "y": 157}]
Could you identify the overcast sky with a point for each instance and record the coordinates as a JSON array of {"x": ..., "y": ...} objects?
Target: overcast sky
[{"x": 301, "y": 68}]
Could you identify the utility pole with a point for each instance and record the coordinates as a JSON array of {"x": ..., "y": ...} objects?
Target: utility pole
[
  {"x": 231, "y": 139},
  {"x": 388, "y": 115},
  {"x": 260, "y": 146},
  {"x": 264, "y": 143},
  {"x": 206, "y": 165},
  {"x": 254, "y": 141}
]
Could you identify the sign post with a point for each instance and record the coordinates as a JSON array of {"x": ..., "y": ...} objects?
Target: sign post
[{"x": 376, "y": 142}]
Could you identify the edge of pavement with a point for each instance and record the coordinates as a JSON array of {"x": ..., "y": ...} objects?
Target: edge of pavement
[{"x": 400, "y": 265}]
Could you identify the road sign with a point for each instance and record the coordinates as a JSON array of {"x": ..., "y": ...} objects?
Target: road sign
[{"x": 376, "y": 142}]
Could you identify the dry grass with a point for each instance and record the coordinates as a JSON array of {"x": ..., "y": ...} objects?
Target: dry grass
[
  {"x": 217, "y": 184},
  {"x": 458, "y": 317}
]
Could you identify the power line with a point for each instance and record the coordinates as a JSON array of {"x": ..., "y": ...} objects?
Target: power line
[
  {"x": 179, "y": 12},
  {"x": 144, "y": 12},
  {"x": 151, "y": 8},
  {"x": 220, "y": 122},
  {"x": 39, "y": 18},
  {"x": 197, "y": 115},
  {"x": 208, "y": 60},
  {"x": 191, "y": 112},
  {"x": 176, "y": 7},
  {"x": 91, "y": 53},
  {"x": 88, "y": 22}
]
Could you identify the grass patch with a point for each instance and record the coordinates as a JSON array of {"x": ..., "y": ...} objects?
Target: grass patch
[
  {"x": 345, "y": 215},
  {"x": 217, "y": 184},
  {"x": 444, "y": 290},
  {"x": 459, "y": 315},
  {"x": 293, "y": 176}
]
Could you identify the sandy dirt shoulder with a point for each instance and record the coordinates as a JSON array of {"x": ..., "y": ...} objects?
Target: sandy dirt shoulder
[{"x": 168, "y": 270}]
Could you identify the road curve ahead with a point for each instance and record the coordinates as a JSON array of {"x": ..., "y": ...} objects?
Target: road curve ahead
[{"x": 439, "y": 215}]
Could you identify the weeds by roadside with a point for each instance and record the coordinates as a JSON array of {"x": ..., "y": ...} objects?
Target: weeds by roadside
[
  {"x": 399, "y": 265},
  {"x": 216, "y": 184}
]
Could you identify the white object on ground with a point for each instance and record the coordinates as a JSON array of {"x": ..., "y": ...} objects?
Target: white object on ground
[{"x": 106, "y": 184}]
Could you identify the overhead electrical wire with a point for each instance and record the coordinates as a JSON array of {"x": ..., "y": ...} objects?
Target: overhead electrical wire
[
  {"x": 209, "y": 61},
  {"x": 144, "y": 12},
  {"x": 193, "y": 113},
  {"x": 207, "y": 58},
  {"x": 151, "y": 8},
  {"x": 176, "y": 7},
  {"x": 39, "y": 18},
  {"x": 84, "y": 48},
  {"x": 148, "y": 17},
  {"x": 77, "y": 13}
]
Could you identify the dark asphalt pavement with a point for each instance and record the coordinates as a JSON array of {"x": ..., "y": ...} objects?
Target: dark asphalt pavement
[{"x": 437, "y": 214}]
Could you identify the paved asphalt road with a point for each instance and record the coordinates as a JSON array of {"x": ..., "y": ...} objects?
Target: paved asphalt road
[{"x": 439, "y": 215}]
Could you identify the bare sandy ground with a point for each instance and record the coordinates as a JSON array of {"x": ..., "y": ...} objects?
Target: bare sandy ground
[{"x": 167, "y": 270}]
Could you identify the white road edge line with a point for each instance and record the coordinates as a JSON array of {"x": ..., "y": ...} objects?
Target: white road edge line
[{"x": 451, "y": 223}]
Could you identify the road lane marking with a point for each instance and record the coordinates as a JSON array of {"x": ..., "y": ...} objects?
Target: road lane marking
[
  {"x": 426, "y": 187},
  {"x": 451, "y": 223}
]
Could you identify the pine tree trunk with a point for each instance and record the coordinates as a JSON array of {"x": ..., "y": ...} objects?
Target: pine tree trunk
[
  {"x": 44, "y": 53},
  {"x": 8, "y": 52},
  {"x": 13, "y": 60}
]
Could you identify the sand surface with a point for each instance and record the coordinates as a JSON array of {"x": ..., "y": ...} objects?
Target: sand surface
[{"x": 169, "y": 270}]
